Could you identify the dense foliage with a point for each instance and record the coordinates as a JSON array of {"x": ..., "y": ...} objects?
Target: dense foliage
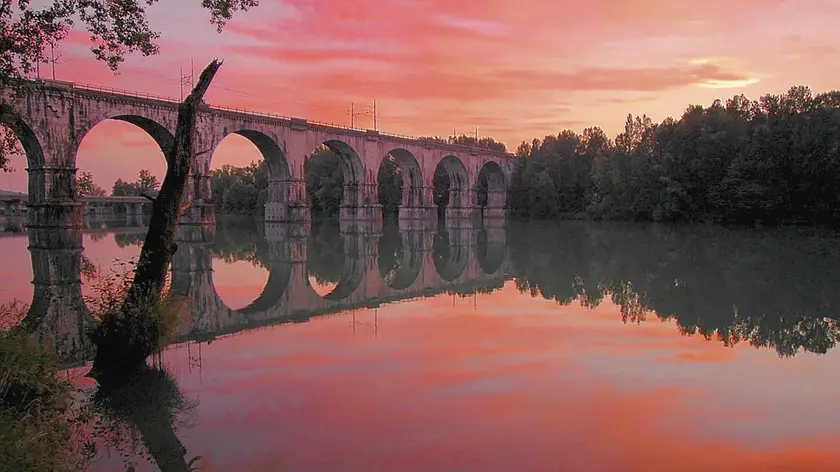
[
  {"x": 774, "y": 160},
  {"x": 146, "y": 184}
]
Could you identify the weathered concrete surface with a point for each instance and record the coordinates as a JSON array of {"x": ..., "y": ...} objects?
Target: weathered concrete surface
[{"x": 53, "y": 118}]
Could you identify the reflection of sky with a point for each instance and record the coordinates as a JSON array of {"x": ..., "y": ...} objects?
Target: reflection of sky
[
  {"x": 15, "y": 269},
  {"x": 493, "y": 382},
  {"x": 321, "y": 288},
  {"x": 238, "y": 283},
  {"x": 505, "y": 382}
]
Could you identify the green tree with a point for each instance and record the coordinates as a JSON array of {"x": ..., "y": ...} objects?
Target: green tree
[
  {"x": 324, "y": 182},
  {"x": 86, "y": 186},
  {"x": 146, "y": 183},
  {"x": 390, "y": 186},
  {"x": 122, "y": 188}
]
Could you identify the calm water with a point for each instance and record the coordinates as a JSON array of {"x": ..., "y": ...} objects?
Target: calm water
[{"x": 538, "y": 347}]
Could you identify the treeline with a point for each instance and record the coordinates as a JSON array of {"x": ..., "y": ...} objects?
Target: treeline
[
  {"x": 773, "y": 160},
  {"x": 146, "y": 184},
  {"x": 464, "y": 140}
]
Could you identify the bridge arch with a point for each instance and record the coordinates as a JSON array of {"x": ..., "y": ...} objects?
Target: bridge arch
[
  {"x": 276, "y": 163},
  {"x": 23, "y": 132},
  {"x": 491, "y": 188},
  {"x": 164, "y": 138},
  {"x": 452, "y": 186},
  {"x": 410, "y": 175},
  {"x": 275, "y": 158},
  {"x": 346, "y": 188}
]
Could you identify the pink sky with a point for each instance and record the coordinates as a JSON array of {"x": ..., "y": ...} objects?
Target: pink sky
[{"x": 514, "y": 70}]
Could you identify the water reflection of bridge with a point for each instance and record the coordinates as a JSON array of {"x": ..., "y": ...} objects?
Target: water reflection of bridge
[
  {"x": 376, "y": 269},
  {"x": 462, "y": 260}
]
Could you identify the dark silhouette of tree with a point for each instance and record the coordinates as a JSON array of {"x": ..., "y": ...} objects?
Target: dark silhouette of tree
[
  {"x": 86, "y": 186},
  {"x": 775, "y": 160}
]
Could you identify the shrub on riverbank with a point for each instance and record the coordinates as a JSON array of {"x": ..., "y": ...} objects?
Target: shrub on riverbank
[
  {"x": 128, "y": 335},
  {"x": 36, "y": 421}
]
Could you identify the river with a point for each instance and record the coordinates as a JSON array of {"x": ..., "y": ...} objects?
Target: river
[{"x": 571, "y": 346}]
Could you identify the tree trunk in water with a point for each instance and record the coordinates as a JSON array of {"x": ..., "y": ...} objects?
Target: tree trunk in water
[{"x": 159, "y": 245}]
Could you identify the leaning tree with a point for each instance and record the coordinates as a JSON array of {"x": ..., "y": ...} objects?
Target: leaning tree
[{"x": 116, "y": 28}]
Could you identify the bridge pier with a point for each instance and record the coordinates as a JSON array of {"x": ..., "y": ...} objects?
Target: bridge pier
[
  {"x": 361, "y": 203},
  {"x": 286, "y": 202},
  {"x": 462, "y": 208},
  {"x": 52, "y": 198},
  {"x": 417, "y": 210}
]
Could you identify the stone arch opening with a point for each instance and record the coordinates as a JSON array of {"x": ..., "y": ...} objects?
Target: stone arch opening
[
  {"x": 400, "y": 257},
  {"x": 452, "y": 189},
  {"x": 491, "y": 188},
  {"x": 336, "y": 183},
  {"x": 449, "y": 257},
  {"x": 250, "y": 175},
  {"x": 25, "y": 154},
  {"x": 134, "y": 174},
  {"x": 400, "y": 185}
]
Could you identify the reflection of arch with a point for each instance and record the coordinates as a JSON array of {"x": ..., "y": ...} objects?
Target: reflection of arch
[
  {"x": 450, "y": 260},
  {"x": 24, "y": 134},
  {"x": 412, "y": 195},
  {"x": 351, "y": 277},
  {"x": 324, "y": 247},
  {"x": 490, "y": 254},
  {"x": 278, "y": 281},
  {"x": 458, "y": 181},
  {"x": 400, "y": 258},
  {"x": 495, "y": 194},
  {"x": 351, "y": 167}
]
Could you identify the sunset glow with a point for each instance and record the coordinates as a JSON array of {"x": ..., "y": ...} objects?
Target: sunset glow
[{"x": 513, "y": 71}]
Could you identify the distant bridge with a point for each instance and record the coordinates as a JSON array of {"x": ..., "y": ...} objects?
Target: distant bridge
[
  {"x": 93, "y": 205},
  {"x": 54, "y": 116}
]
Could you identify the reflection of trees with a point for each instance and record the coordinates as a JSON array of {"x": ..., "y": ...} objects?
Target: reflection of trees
[
  {"x": 325, "y": 252},
  {"x": 241, "y": 240},
  {"x": 149, "y": 407},
  {"x": 127, "y": 239},
  {"x": 770, "y": 288},
  {"x": 390, "y": 253}
]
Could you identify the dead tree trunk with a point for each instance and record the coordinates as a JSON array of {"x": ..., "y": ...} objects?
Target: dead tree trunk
[{"x": 159, "y": 246}]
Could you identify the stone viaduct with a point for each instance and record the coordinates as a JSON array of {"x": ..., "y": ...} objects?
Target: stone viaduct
[
  {"x": 51, "y": 118},
  {"x": 461, "y": 260}
]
